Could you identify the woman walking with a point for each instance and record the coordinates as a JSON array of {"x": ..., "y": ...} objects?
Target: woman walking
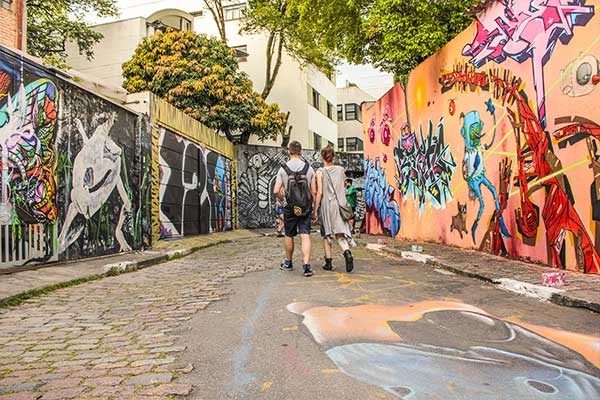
[{"x": 330, "y": 193}]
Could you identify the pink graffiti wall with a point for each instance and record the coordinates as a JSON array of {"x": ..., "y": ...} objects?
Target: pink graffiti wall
[{"x": 494, "y": 144}]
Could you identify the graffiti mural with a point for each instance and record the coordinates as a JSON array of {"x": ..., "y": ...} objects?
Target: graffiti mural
[
  {"x": 515, "y": 92},
  {"x": 380, "y": 201},
  {"x": 424, "y": 166},
  {"x": 401, "y": 350},
  {"x": 526, "y": 29},
  {"x": 256, "y": 172},
  {"x": 102, "y": 156},
  {"x": 195, "y": 188},
  {"x": 71, "y": 183},
  {"x": 29, "y": 103}
]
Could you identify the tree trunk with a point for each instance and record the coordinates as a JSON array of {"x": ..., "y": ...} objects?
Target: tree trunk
[
  {"x": 275, "y": 41},
  {"x": 216, "y": 9}
]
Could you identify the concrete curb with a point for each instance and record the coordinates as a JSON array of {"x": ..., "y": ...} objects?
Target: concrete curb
[{"x": 539, "y": 292}]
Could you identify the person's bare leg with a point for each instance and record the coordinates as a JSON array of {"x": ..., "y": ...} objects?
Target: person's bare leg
[
  {"x": 289, "y": 248},
  {"x": 327, "y": 248},
  {"x": 306, "y": 248},
  {"x": 343, "y": 242}
]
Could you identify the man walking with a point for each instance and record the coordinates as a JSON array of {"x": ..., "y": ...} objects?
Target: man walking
[{"x": 295, "y": 177}]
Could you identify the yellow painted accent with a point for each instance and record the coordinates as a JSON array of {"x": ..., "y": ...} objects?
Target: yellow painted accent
[
  {"x": 164, "y": 114},
  {"x": 155, "y": 191},
  {"x": 536, "y": 182},
  {"x": 291, "y": 328},
  {"x": 267, "y": 385},
  {"x": 330, "y": 371}
]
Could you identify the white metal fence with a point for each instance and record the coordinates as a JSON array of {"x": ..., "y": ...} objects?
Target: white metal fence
[{"x": 22, "y": 244}]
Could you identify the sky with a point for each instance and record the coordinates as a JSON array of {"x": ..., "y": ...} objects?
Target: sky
[{"x": 369, "y": 79}]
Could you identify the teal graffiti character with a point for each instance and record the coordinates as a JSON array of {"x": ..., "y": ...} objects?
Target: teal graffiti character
[{"x": 473, "y": 168}]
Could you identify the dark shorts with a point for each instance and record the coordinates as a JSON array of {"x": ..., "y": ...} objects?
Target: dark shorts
[
  {"x": 279, "y": 210},
  {"x": 296, "y": 225}
]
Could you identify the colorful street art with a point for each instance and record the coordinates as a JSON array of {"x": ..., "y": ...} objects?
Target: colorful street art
[
  {"x": 405, "y": 350},
  {"x": 71, "y": 163},
  {"x": 28, "y": 161},
  {"x": 195, "y": 188},
  {"x": 524, "y": 131},
  {"x": 380, "y": 198}
]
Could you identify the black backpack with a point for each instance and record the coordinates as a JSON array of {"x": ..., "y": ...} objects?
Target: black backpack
[{"x": 297, "y": 194}]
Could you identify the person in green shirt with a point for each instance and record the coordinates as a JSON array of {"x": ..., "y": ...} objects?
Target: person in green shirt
[{"x": 351, "y": 199}]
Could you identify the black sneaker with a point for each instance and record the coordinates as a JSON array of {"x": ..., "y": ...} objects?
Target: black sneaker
[
  {"x": 328, "y": 265},
  {"x": 286, "y": 266},
  {"x": 308, "y": 270},
  {"x": 349, "y": 261}
]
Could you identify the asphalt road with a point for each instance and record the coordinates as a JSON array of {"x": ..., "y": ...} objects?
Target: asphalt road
[
  {"x": 226, "y": 323},
  {"x": 391, "y": 329}
]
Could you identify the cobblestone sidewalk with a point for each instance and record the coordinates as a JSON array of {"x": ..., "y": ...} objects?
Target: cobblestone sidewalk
[{"x": 113, "y": 338}]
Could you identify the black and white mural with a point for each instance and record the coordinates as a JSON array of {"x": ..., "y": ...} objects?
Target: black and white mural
[
  {"x": 257, "y": 168},
  {"x": 195, "y": 188},
  {"x": 102, "y": 193}
]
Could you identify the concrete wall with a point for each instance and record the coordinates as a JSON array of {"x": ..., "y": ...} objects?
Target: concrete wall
[
  {"x": 493, "y": 145},
  {"x": 257, "y": 168},
  {"x": 72, "y": 162}
]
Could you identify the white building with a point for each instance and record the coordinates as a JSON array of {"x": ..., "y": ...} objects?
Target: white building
[
  {"x": 349, "y": 116},
  {"x": 309, "y": 95}
]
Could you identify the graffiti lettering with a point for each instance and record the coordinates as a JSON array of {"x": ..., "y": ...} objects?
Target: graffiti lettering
[
  {"x": 523, "y": 29},
  {"x": 424, "y": 166}
]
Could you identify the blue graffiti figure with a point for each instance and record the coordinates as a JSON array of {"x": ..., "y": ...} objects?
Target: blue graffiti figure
[
  {"x": 473, "y": 168},
  {"x": 379, "y": 197}
]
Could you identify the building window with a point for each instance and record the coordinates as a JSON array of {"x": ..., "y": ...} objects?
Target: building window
[
  {"x": 235, "y": 11},
  {"x": 341, "y": 144},
  {"x": 340, "y": 110},
  {"x": 329, "y": 110},
  {"x": 6, "y": 4},
  {"x": 317, "y": 141},
  {"x": 241, "y": 52},
  {"x": 352, "y": 112},
  {"x": 315, "y": 99},
  {"x": 354, "y": 144}
]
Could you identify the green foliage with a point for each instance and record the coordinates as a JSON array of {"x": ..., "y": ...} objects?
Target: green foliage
[
  {"x": 50, "y": 24},
  {"x": 200, "y": 76},
  {"x": 280, "y": 22},
  {"x": 394, "y": 35}
]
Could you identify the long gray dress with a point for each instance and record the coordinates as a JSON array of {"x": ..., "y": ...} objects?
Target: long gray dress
[{"x": 331, "y": 221}]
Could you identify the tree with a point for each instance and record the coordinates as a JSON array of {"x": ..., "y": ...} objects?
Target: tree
[
  {"x": 394, "y": 35},
  {"x": 200, "y": 76},
  {"x": 51, "y": 24},
  {"x": 280, "y": 25},
  {"x": 216, "y": 9}
]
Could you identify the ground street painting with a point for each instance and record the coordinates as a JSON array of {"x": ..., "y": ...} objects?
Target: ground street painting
[
  {"x": 420, "y": 351},
  {"x": 195, "y": 188},
  {"x": 481, "y": 146}
]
